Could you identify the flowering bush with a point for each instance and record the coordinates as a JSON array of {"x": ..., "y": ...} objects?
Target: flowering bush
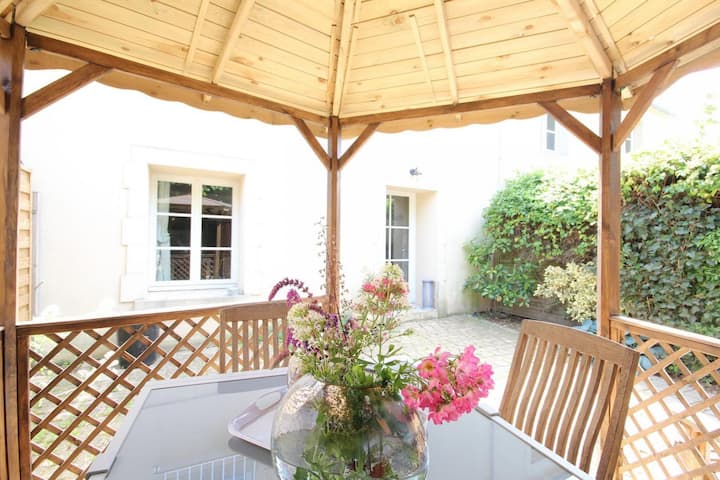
[{"x": 357, "y": 349}]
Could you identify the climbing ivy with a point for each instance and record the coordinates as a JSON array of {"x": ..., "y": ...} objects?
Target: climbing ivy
[{"x": 670, "y": 226}]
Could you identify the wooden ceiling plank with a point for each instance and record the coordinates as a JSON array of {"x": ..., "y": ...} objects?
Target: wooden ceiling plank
[
  {"x": 28, "y": 10},
  {"x": 421, "y": 54},
  {"x": 637, "y": 73},
  {"x": 642, "y": 103},
  {"x": 311, "y": 140},
  {"x": 582, "y": 28},
  {"x": 577, "y": 128},
  {"x": 202, "y": 12},
  {"x": 4, "y": 6},
  {"x": 128, "y": 66},
  {"x": 333, "y": 60},
  {"x": 347, "y": 32},
  {"x": 535, "y": 97},
  {"x": 241, "y": 16},
  {"x": 61, "y": 87},
  {"x": 359, "y": 142},
  {"x": 447, "y": 52},
  {"x": 605, "y": 36}
]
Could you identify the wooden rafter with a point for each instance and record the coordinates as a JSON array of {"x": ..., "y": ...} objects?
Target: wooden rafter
[
  {"x": 56, "y": 90},
  {"x": 197, "y": 29},
  {"x": 5, "y": 5},
  {"x": 604, "y": 34},
  {"x": 241, "y": 16},
  {"x": 128, "y": 66},
  {"x": 524, "y": 99},
  {"x": 698, "y": 40},
  {"x": 28, "y": 10},
  {"x": 421, "y": 54},
  {"x": 580, "y": 25},
  {"x": 311, "y": 140},
  {"x": 642, "y": 103},
  {"x": 359, "y": 142},
  {"x": 347, "y": 34},
  {"x": 447, "y": 51},
  {"x": 577, "y": 128},
  {"x": 333, "y": 60}
]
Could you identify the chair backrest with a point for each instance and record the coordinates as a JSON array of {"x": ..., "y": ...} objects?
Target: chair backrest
[{"x": 563, "y": 384}]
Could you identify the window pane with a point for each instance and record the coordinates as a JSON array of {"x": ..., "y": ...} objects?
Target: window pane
[
  {"x": 400, "y": 211},
  {"x": 217, "y": 200},
  {"x": 173, "y": 231},
  {"x": 215, "y": 265},
  {"x": 400, "y": 239},
  {"x": 550, "y": 141},
  {"x": 550, "y": 123},
  {"x": 174, "y": 197},
  {"x": 216, "y": 232},
  {"x": 388, "y": 203},
  {"x": 173, "y": 265},
  {"x": 387, "y": 243},
  {"x": 404, "y": 267}
]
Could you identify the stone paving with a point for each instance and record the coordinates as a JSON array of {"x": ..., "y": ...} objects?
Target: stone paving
[{"x": 494, "y": 343}]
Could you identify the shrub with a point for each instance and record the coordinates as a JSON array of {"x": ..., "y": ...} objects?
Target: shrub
[
  {"x": 574, "y": 286},
  {"x": 536, "y": 220}
]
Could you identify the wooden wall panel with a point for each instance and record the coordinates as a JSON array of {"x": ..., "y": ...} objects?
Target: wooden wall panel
[{"x": 24, "y": 262}]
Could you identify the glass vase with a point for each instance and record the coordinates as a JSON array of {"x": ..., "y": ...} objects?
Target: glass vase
[{"x": 334, "y": 432}]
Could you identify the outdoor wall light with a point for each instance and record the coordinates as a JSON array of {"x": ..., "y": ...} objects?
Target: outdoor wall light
[{"x": 415, "y": 172}]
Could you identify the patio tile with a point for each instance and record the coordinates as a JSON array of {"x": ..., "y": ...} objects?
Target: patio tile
[{"x": 494, "y": 343}]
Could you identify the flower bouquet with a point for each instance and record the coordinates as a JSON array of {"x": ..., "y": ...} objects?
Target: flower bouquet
[{"x": 356, "y": 412}]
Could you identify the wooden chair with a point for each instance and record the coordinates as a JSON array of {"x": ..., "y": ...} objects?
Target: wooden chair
[{"x": 563, "y": 384}]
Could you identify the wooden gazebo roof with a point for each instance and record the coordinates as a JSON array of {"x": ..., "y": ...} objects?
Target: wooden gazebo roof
[{"x": 406, "y": 64}]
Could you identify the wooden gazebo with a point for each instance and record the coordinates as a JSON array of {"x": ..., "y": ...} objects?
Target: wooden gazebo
[{"x": 344, "y": 69}]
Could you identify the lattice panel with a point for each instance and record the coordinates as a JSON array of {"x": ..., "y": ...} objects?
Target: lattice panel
[
  {"x": 253, "y": 344},
  {"x": 673, "y": 425},
  {"x": 83, "y": 382}
]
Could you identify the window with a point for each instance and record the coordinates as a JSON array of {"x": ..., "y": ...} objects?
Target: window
[
  {"x": 550, "y": 133},
  {"x": 397, "y": 232},
  {"x": 628, "y": 143},
  {"x": 194, "y": 230}
]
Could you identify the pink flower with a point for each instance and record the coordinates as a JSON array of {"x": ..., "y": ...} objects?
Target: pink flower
[{"x": 368, "y": 287}]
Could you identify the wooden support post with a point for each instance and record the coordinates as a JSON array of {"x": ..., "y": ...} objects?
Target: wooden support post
[
  {"x": 12, "y": 56},
  {"x": 609, "y": 234},
  {"x": 332, "y": 266}
]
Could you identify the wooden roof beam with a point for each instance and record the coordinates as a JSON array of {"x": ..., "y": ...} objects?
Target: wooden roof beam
[
  {"x": 134, "y": 68},
  {"x": 642, "y": 103},
  {"x": 487, "y": 104},
  {"x": 197, "y": 29},
  {"x": 604, "y": 35},
  {"x": 359, "y": 142},
  {"x": 241, "y": 16},
  {"x": 698, "y": 40},
  {"x": 333, "y": 60},
  {"x": 312, "y": 141},
  {"x": 348, "y": 31},
  {"x": 4, "y": 29},
  {"x": 580, "y": 25},
  {"x": 61, "y": 87},
  {"x": 28, "y": 10},
  {"x": 421, "y": 54},
  {"x": 577, "y": 128},
  {"x": 447, "y": 51}
]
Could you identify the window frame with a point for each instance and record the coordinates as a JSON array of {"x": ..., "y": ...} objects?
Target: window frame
[
  {"x": 412, "y": 229},
  {"x": 551, "y": 130},
  {"x": 196, "y": 181}
]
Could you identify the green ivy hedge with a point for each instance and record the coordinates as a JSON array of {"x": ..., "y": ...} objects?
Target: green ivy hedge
[{"x": 671, "y": 236}]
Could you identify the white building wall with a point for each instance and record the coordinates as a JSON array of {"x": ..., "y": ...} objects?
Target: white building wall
[{"x": 93, "y": 154}]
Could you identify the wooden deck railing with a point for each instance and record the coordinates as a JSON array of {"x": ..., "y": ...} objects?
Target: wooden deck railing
[
  {"x": 673, "y": 425},
  {"x": 77, "y": 378}
]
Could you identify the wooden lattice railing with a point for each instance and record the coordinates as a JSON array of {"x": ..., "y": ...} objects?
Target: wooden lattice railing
[
  {"x": 78, "y": 378},
  {"x": 673, "y": 424}
]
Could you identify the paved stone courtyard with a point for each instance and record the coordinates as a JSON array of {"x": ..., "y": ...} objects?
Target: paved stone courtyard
[{"x": 494, "y": 343}]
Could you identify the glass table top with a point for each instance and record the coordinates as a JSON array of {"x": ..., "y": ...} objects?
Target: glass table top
[{"x": 177, "y": 430}]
